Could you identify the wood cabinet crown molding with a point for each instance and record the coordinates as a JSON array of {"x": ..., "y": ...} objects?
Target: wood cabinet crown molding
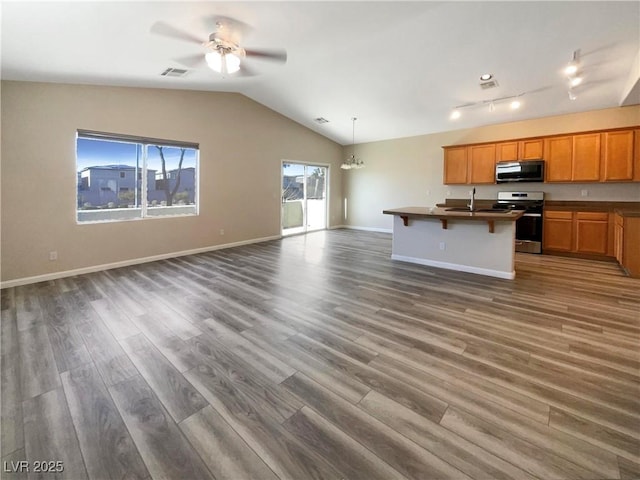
[{"x": 539, "y": 137}]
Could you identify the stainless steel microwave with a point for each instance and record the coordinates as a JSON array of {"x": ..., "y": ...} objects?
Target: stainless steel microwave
[{"x": 525, "y": 171}]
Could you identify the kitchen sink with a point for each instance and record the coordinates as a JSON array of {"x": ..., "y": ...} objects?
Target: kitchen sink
[
  {"x": 482, "y": 210},
  {"x": 494, "y": 210}
]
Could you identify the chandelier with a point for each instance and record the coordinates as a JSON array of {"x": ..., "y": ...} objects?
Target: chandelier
[{"x": 352, "y": 162}]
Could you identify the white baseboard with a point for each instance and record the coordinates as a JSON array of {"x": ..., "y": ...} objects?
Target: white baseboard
[
  {"x": 455, "y": 266},
  {"x": 369, "y": 229},
  {"x": 125, "y": 263}
]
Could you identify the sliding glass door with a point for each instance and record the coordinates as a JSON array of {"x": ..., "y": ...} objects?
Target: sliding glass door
[{"x": 304, "y": 198}]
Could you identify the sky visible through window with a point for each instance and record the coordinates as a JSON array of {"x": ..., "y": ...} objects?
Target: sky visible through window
[{"x": 92, "y": 152}]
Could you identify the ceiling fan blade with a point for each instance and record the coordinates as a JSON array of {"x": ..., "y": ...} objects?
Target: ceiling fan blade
[
  {"x": 246, "y": 71},
  {"x": 192, "y": 61},
  {"x": 274, "y": 55},
  {"x": 166, "y": 30}
]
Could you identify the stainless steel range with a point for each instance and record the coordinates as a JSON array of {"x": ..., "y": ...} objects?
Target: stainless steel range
[{"x": 529, "y": 226}]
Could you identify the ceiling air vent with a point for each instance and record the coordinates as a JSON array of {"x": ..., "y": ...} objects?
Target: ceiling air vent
[
  {"x": 321, "y": 120},
  {"x": 489, "y": 84},
  {"x": 174, "y": 72}
]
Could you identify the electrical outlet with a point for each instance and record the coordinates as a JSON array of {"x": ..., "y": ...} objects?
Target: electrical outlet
[
  {"x": 584, "y": 192},
  {"x": 222, "y": 231},
  {"x": 443, "y": 246},
  {"x": 53, "y": 255}
]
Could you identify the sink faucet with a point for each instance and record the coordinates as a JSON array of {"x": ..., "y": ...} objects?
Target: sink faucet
[{"x": 473, "y": 199}]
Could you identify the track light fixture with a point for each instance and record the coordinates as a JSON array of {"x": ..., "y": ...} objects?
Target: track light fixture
[
  {"x": 572, "y": 71},
  {"x": 492, "y": 104}
]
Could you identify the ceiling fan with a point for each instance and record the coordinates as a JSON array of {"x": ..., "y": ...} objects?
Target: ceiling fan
[{"x": 223, "y": 51}]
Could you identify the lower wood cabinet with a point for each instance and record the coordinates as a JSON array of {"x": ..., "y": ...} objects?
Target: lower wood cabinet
[
  {"x": 627, "y": 243},
  {"x": 557, "y": 231},
  {"x": 577, "y": 232},
  {"x": 592, "y": 229}
]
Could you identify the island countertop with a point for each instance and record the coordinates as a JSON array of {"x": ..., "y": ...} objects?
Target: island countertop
[{"x": 443, "y": 213}]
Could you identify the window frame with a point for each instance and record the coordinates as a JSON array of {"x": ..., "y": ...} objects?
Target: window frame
[{"x": 143, "y": 143}]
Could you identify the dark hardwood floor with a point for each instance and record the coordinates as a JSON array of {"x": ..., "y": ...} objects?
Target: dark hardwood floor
[{"x": 318, "y": 357}]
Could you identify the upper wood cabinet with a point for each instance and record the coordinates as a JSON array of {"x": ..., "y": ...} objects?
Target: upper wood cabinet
[
  {"x": 585, "y": 165},
  {"x": 482, "y": 163},
  {"x": 601, "y": 156},
  {"x": 558, "y": 155},
  {"x": 472, "y": 164},
  {"x": 455, "y": 165},
  {"x": 531, "y": 149},
  {"x": 572, "y": 158},
  {"x": 617, "y": 156}
]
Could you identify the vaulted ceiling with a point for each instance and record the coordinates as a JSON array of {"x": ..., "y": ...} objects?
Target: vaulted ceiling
[{"x": 400, "y": 67}]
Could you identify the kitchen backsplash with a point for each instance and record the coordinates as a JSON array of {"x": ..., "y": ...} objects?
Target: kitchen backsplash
[{"x": 618, "y": 192}]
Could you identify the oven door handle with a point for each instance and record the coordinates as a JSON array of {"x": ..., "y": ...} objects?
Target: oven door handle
[{"x": 532, "y": 215}]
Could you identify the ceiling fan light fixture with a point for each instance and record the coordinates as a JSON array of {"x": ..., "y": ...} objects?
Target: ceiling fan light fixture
[{"x": 223, "y": 62}]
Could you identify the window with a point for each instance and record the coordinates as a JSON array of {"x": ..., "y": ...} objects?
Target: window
[{"x": 123, "y": 177}]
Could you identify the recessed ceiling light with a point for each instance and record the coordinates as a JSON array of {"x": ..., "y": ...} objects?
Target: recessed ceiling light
[
  {"x": 515, "y": 104},
  {"x": 455, "y": 114},
  {"x": 486, "y": 76}
]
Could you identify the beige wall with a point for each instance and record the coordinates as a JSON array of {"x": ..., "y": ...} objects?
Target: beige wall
[
  {"x": 242, "y": 144},
  {"x": 408, "y": 171}
]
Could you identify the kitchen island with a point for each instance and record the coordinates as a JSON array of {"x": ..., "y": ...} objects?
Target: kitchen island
[{"x": 482, "y": 241}]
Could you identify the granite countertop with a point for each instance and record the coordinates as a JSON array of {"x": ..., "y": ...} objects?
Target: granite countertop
[
  {"x": 443, "y": 213},
  {"x": 594, "y": 206}
]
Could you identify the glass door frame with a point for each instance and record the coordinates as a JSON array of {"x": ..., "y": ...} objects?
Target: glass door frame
[{"x": 327, "y": 189}]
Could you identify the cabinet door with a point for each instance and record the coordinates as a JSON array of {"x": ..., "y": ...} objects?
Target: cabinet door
[
  {"x": 557, "y": 231},
  {"x": 591, "y": 232},
  {"x": 585, "y": 165},
  {"x": 617, "y": 156},
  {"x": 530, "y": 149},
  {"x": 506, "y": 152},
  {"x": 482, "y": 163},
  {"x": 455, "y": 165},
  {"x": 617, "y": 238},
  {"x": 636, "y": 155},
  {"x": 558, "y": 156}
]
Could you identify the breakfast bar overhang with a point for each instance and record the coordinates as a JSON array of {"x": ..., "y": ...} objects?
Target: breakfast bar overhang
[{"x": 481, "y": 242}]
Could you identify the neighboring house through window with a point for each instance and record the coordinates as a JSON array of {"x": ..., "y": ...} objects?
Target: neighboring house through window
[{"x": 123, "y": 177}]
